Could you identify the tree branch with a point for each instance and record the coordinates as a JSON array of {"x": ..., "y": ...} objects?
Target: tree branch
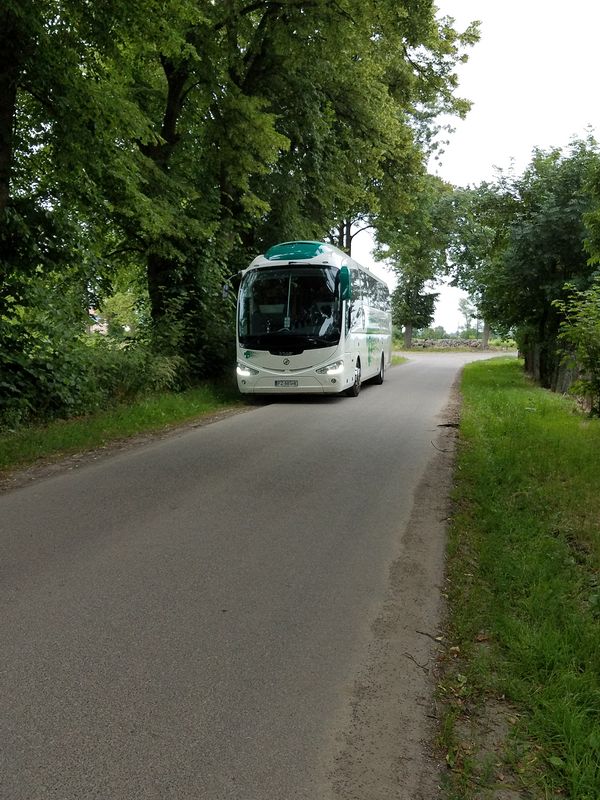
[{"x": 360, "y": 230}]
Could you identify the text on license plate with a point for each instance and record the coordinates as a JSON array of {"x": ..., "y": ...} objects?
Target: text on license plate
[{"x": 286, "y": 383}]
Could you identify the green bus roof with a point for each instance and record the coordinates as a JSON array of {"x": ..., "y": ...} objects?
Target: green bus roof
[{"x": 296, "y": 251}]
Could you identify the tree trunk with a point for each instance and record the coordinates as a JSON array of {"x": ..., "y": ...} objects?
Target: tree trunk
[
  {"x": 408, "y": 332},
  {"x": 160, "y": 270},
  {"x": 160, "y": 280},
  {"x": 348, "y": 237},
  {"x": 344, "y": 236},
  {"x": 14, "y": 45},
  {"x": 8, "y": 99},
  {"x": 486, "y": 335}
]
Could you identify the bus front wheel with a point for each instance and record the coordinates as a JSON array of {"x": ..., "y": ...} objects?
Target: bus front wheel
[{"x": 355, "y": 388}]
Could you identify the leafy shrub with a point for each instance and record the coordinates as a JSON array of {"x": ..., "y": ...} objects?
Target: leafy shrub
[
  {"x": 118, "y": 372},
  {"x": 49, "y": 371},
  {"x": 42, "y": 368},
  {"x": 580, "y": 338}
]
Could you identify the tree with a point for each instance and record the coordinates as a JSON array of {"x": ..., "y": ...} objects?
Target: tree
[
  {"x": 479, "y": 231},
  {"x": 416, "y": 250},
  {"x": 65, "y": 120},
  {"x": 412, "y": 307},
  {"x": 545, "y": 251},
  {"x": 520, "y": 242},
  {"x": 354, "y": 115},
  {"x": 468, "y": 310},
  {"x": 580, "y": 340},
  {"x": 172, "y": 139}
]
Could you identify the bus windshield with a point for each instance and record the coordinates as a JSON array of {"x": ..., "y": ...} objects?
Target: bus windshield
[{"x": 289, "y": 308}]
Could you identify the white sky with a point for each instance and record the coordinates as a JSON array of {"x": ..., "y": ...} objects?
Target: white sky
[{"x": 533, "y": 79}]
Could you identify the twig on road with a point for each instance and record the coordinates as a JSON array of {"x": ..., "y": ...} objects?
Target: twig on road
[{"x": 421, "y": 666}]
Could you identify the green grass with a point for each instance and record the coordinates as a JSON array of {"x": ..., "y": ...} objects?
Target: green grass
[
  {"x": 398, "y": 360},
  {"x": 157, "y": 412},
  {"x": 153, "y": 413},
  {"x": 523, "y": 585}
]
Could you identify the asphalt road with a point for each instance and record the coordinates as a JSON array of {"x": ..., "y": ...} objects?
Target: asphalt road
[{"x": 186, "y": 619}]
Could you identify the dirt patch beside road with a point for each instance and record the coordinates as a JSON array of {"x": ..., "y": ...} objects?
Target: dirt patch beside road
[{"x": 388, "y": 745}]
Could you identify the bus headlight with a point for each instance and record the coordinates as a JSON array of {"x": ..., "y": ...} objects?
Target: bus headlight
[
  {"x": 333, "y": 369},
  {"x": 244, "y": 371}
]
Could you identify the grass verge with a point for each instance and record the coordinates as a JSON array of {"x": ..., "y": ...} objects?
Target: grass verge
[
  {"x": 521, "y": 679},
  {"x": 25, "y": 446},
  {"x": 398, "y": 360},
  {"x": 149, "y": 414}
]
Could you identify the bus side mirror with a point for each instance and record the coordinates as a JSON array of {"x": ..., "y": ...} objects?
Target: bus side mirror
[{"x": 345, "y": 287}]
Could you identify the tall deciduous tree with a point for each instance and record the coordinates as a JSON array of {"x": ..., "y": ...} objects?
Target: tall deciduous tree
[
  {"x": 521, "y": 241},
  {"x": 479, "y": 231},
  {"x": 351, "y": 84},
  {"x": 416, "y": 243},
  {"x": 291, "y": 117},
  {"x": 65, "y": 118},
  {"x": 176, "y": 136},
  {"x": 412, "y": 306}
]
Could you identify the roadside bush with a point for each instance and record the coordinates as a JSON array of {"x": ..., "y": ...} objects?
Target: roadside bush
[
  {"x": 42, "y": 370},
  {"x": 50, "y": 371},
  {"x": 119, "y": 372},
  {"x": 580, "y": 340}
]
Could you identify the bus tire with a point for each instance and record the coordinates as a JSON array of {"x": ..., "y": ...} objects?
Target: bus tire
[
  {"x": 378, "y": 379},
  {"x": 354, "y": 390}
]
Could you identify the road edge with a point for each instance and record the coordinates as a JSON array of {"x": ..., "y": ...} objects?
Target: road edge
[{"x": 388, "y": 745}]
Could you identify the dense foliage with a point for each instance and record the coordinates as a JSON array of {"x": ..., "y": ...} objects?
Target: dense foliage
[
  {"x": 412, "y": 306},
  {"x": 521, "y": 246},
  {"x": 148, "y": 149},
  {"x": 580, "y": 338},
  {"x": 415, "y": 244}
]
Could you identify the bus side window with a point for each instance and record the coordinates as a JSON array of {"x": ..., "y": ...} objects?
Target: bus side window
[
  {"x": 356, "y": 314},
  {"x": 356, "y": 301},
  {"x": 356, "y": 283},
  {"x": 372, "y": 290}
]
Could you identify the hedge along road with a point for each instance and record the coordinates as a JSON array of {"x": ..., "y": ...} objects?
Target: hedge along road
[{"x": 242, "y": 610}]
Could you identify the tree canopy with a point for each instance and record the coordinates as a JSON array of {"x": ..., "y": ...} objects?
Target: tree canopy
[
  {"x": 153, "y": 147},
  {"x": 520, "y": 246}
]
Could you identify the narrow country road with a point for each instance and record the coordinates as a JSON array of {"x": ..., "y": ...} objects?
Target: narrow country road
[{"x": 231, "y": 613}]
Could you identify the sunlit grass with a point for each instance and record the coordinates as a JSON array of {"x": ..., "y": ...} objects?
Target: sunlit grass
[
  {"x": 149, "y": 414},
  {"x": 396, "y": 360},
  {"x": 524, "y": 567},
  {"x": 156, "y": 412}
]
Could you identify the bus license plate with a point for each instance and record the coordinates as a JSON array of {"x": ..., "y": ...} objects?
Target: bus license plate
[{"x": 286, "y": 383}]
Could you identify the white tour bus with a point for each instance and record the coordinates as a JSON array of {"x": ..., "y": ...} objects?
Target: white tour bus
[{"x": 310, "y": 319}]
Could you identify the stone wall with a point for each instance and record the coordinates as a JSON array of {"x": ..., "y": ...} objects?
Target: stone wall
[{"x": 424, "y": 344}]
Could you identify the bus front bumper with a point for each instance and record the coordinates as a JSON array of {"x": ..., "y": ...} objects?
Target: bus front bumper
[{"x": 291, "y": 384}]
